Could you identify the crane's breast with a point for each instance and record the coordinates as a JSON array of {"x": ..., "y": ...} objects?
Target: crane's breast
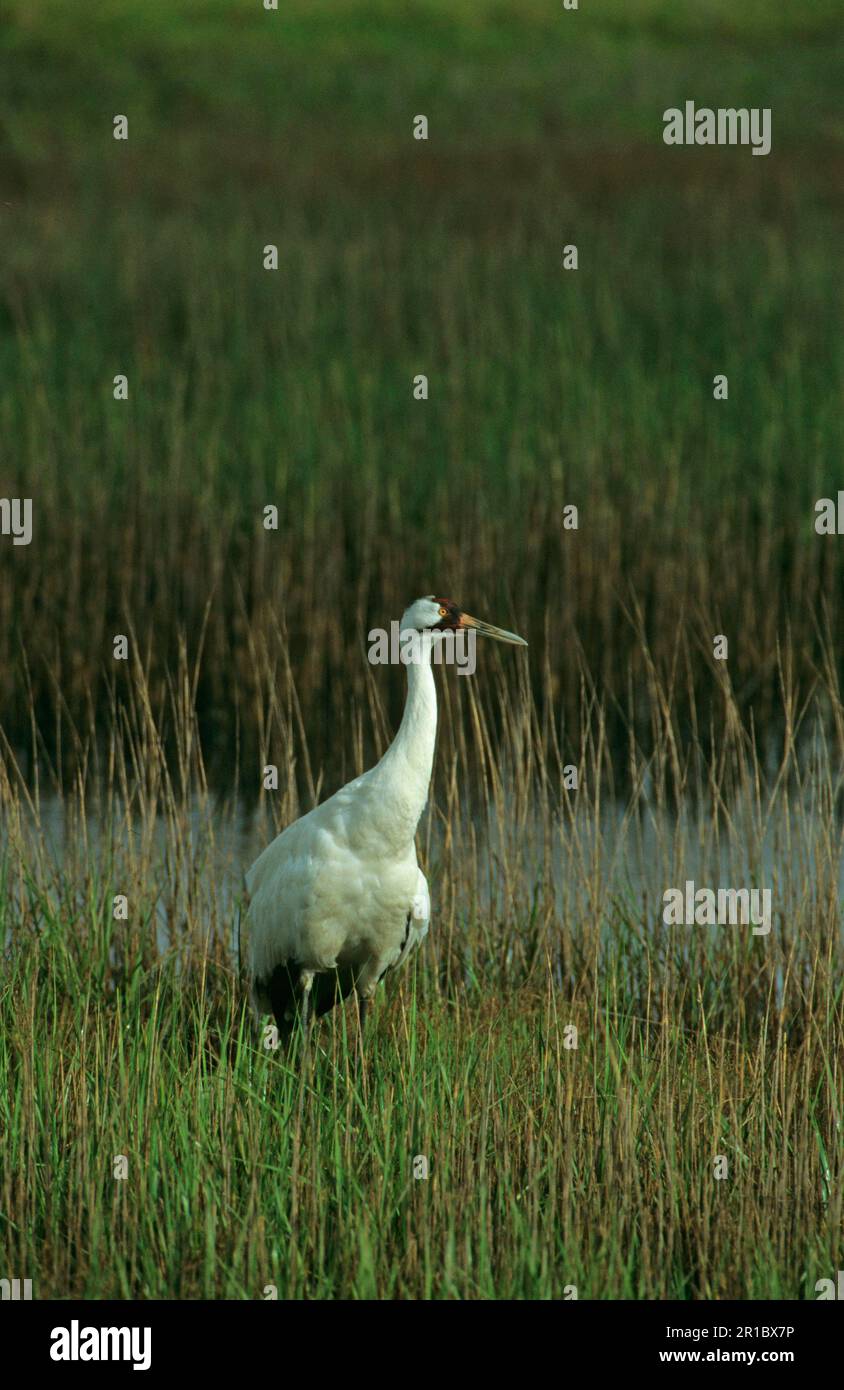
[{"x": 318, "y": 902}]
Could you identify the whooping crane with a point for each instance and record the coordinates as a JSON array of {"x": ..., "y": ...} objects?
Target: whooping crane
[{"x": 338, "y": 899}]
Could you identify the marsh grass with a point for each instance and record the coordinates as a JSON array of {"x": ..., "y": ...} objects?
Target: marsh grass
[{"x": 549, "y": 1165}]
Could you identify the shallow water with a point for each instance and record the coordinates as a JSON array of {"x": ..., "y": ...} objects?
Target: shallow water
[{"x": 616, "y": 866}]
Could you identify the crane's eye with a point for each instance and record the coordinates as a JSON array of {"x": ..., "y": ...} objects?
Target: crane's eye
[{"x": 443, "y": 612}]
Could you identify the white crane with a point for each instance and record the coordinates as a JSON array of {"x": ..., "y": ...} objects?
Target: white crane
[{"x": 338, "y": 899}]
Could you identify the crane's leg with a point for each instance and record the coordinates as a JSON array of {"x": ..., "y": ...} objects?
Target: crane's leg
[
  {"x": 362, "y": 1002},
  {"x": 306, "y": 980}
]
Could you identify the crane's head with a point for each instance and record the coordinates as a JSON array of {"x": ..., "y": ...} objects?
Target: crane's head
[{"x": 442, "y": 615}]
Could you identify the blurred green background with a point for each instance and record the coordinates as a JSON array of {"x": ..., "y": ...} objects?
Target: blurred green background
[{"x": 396, "y": 257}]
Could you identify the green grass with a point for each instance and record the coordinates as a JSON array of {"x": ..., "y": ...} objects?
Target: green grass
[
  {"x": 550, "y": 1165},
  {"x": 547, "y": 1168}
]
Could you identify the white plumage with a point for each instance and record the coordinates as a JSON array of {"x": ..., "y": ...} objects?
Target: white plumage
[{"x": 338, "y": 898}]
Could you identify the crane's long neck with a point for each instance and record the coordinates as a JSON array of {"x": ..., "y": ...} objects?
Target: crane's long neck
[{"x": 402, "y": 778}]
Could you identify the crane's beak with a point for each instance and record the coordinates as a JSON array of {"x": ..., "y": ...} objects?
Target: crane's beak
[{"x": 487, "y": 630}]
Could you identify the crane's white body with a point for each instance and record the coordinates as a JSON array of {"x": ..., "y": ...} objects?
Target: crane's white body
[{"x": 342, "y": 888}]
